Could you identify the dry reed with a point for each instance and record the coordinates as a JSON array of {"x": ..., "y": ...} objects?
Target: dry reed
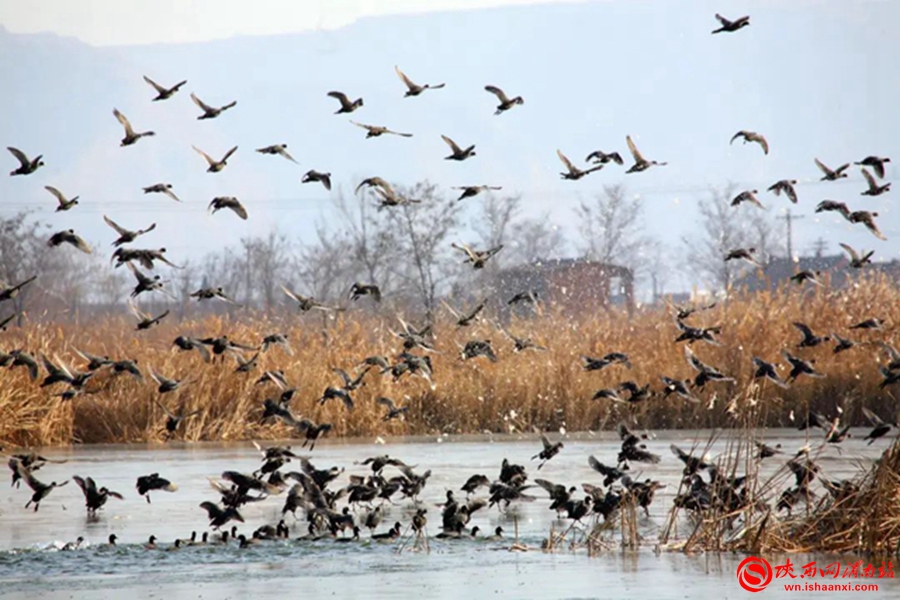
[{"x": 548, "y": 390}]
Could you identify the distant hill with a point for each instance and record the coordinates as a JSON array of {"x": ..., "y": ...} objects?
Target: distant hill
[{"x": 814, "y": 77}]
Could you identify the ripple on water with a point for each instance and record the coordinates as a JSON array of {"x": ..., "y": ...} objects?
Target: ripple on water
[{"x": 31, "y": 563}]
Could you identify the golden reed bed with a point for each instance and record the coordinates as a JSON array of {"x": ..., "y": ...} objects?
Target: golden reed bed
[{"x": 547, "y": 390}]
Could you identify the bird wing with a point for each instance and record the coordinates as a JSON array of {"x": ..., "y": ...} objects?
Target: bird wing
[
  {"x": 497, "y": 92},
  {"x": 119, "y": 229},
  {"x": 155, "y": 85},
  {"x": 462, "y": 247},
  {"x": 791, "y": 192},
  {"x": 549, "y": 486},
  {"x": 874, "y": 419},
  {"x": 681, "y": 454},
  {"x": 62, "y": 199},
  {"x": 341, "y": 97},
  {"x": 212, "y": 510},
  {"x": 84, "y": 485},
  {"x": 55, "y": 368},
  {"x": 474, "y": 312},
  {"x": 871, "y": 226},
  {"x": 822, "y": 167},
  {"x": 737, "y": 135},
  {"x": 804, "y": 329},
  {"x": 566, "y": 161},
  {"x": 201, "y": 104},
  {"x": 343, "y": 375},
  {"x": 546, "y": 442},
  {"x": 406, "y": 80},
  {"x": 238, "y": 208},
  {"x": 86, "y": 355},
  {"x": 137, "y": 273},
  {"x": 634, "y": 151},
  {"x": 456, "y": 315},
  {"x": 456, "y": 149},
  {"x": 762, "y": 142},
  {"x": 385, "y": 401},
  {"x": 624, "y": 432},
  {"x": 292, "y": 295},
  {"x": 204, "y": 155},
  {"x": 364, "y": 126},
  {"x": 141, "y": 316},
  {"x": 25, "y": 474},
  {"x": 725, "y": 22},
  {"x": 401, "y": 134},
  {"x": 869, "y": 179},
  {"x": 124, "y": 121},
  {"x": 854, "y": 256},
  {"x": 79, "y": 243},
  {"x": 229, "y": 153},
  {"x": 19, "y": 155},
  {"x": 164, "y": 409},
  {"x": 282, "y": 151}
]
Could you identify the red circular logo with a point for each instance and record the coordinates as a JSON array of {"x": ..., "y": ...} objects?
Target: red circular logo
[{"x": 754, "y": 574}]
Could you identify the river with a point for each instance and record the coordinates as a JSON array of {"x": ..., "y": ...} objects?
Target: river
[{"x": 31, "y": 567}]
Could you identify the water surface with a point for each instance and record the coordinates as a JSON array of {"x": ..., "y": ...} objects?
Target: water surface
[{"x": 453, "y": 569}]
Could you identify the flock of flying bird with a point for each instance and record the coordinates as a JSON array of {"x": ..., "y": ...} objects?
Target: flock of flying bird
[{"x": 308, "y": 489}]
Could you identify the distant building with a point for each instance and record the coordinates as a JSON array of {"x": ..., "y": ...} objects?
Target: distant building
[
  {"x": 571, "y": 285},
  {"x": 834, "y": 269}
]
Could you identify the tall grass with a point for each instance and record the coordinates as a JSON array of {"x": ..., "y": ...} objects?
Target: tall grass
[{"x": 548, "y": 390}]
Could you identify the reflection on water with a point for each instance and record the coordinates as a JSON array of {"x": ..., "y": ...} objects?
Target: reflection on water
[{"x": 453, "y": 569}]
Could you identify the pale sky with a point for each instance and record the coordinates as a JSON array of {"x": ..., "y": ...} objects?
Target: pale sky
[
  {"x": 814, "y": 76},
  {"x": 117, "y": 22}
]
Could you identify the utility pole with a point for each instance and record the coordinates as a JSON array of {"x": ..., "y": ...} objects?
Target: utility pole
[
  {"x": 789, "y": 218},
  {"x": 819, "y": 247},
  {"x": 247, "y": 274}
]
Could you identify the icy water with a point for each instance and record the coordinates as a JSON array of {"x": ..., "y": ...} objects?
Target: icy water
[{"x": 31, "y": 567}]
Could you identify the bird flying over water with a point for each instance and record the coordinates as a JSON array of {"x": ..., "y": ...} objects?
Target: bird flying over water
[
  {"x": 277, "y": 149},
  {"x": 412, "y": 88},
  {"x": 346, "y": 105},
  {"x": 130, "y": 136},
  {"x": 506, "y": 103},
  {"x": 27, "y": 165},
  {"x": 210, "y": 112},
  {"x": 752, "y": 136},
  {"x": 164, "y": 93},
  {"x": 640, "y": 163},
  {"x": 215, "y": 165},
  {"x": 729, "y": 26}
]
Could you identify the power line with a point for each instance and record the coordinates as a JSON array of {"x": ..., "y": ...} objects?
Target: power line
[{"x": 311, "y": 204}]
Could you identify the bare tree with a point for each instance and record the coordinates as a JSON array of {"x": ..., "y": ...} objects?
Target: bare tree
[
  {"x": 535, "y": 240},
  {"x": 657, "y": 267},
  {"x": 424, "y": 232},
  {"x": 182, "y": 285},
  {"x": 23, "y": 254},
  {"x": 323, "y": 268},
  {"x": 111, "y": 286},
  {"x": 67, "y": 279},
  {"x": 372, "y": 243},
  {"x": 610, "y": 227},
  {"x": 725, "y": 228},
  {"x": 266, "y": 260},
  {"x": 493, "y": 224},
  {"x": 72, "y": 279},
  {"x": 225, "y": 269}
]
